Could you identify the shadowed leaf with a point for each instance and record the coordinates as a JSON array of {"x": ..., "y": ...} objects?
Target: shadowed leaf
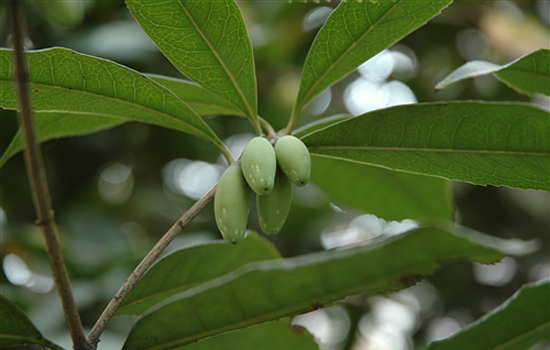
[{"x": 387, "y": 194}]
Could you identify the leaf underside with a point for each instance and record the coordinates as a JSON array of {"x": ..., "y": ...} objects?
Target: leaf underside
[
  {"x": 195, "y": 265},
  {"x": 529, "y": 74},
  {"x": 268, "y": 290},
  {"x": 267, "y": 336}
]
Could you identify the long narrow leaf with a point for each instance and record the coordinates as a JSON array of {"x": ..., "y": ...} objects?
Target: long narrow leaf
[
  {"x": 355, "y": 32},
  {"x": 529, "y": 74},
  {"x": 208, "y": 42},
  {"x": 268, "y": 290},
  {"x": 209, "y": 261},
  {"x": 55, "y": 125},
  {"x": 502, "y": 144},
  {"x": 519, "y": 323},
  {"x": 62, "y": 80}
]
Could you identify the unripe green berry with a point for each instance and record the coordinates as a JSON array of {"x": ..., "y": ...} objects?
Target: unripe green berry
[
  {"x": 273, "y": 209},
  {"x": 259, "y": 165},
  {"x": 293, "y": 159},
  {"x": 232, "y": 204}
]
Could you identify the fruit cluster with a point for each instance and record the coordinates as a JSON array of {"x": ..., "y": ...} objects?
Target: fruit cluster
[{"x": 257, "y": 171}]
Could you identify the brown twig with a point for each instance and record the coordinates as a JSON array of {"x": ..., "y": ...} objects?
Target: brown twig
[
  {"x": 39, "y": 185},
  {"x": 137, "y": 274}
]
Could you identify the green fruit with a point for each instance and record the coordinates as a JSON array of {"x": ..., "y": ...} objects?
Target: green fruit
[
  {"x": 273, "y": 208},
  {"x": 259, "y": 165},
  {"x": 293, "y": 159},
  {"x": 232, "y": 204}
]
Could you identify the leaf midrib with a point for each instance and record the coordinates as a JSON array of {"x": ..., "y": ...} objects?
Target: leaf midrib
[
  {"x": 129, "y": 103},
  {"x": 428, "y": 150},
  {"x": 222, "y": 63},
  {"x": 388, "y": 277},
  {"x": 346, "y": 52},
  {"x": 282, "y": 312},
  {"x": 167, "y": 292}
]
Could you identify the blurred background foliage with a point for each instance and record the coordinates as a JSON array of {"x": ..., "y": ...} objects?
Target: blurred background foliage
[{"x": 117, "y": 191}]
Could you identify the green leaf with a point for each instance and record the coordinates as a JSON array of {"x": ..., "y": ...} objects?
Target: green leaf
[
  {"x": 17, "y": 330},
  {"x": 62, "y": 80},
  {"x": 194, "y": 265},
  {"x": 54, "y": 125},
  {"x": 521, "y": 322},
  {"x": 481, "y": 143},
  {"x": 208, "y": 42},
  {"x": 355, "y": 32},
  {"x": 387, "y": 194},
  {"x": 202, "y": 101},
  {"x": 268, "y": 336},
  {"x": 529, "y": 74},
  {"x": 268, "y": 290}
]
